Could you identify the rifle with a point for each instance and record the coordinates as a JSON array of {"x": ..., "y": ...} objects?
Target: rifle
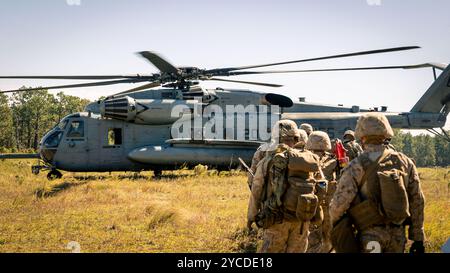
[{"x": 247, "y": 168}]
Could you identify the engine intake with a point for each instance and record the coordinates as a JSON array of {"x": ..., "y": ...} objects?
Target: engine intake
[{"x": 123, "y": 108}]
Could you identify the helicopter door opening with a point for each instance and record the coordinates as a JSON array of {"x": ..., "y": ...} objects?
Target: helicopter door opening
[
  {"x": 115, "y": 137},
  {"x": 112, "y": 146}
]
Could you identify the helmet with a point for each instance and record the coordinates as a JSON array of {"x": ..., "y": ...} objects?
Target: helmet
[
  {"x": 373, "y": 124},
  {"x": 318, "y": 141},
  {"x": 307, "y": 127},
  {"x": 349, "y": 133},
  {"x": 285, "y": 128},
  {"x": 303, "y": 138}
]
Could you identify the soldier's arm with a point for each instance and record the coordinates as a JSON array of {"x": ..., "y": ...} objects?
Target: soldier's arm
[
  {"x": 257, "y": 157},
  {"x": 256, "y": 192},
  {"x": 416, "y": 205},
  {"x": 347, "y": 189}
]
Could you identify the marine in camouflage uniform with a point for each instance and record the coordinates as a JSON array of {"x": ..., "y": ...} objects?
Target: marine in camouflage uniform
[
  {"x": 350, "y": 144},
  {"x": 319, "y": 238},
  {"x": 373, "y": 129},
  {"x": 286, "y": 235}
]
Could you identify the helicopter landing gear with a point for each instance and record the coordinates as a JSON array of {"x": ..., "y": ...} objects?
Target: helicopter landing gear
[{"x": 54, "y": 174}]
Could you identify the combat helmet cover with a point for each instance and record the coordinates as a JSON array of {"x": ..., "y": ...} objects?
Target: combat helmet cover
[
  {"x": 284, "y": 129},
  {"x": 303, "y": 138},
  {"x": 307, "y": 127},
  {"x": 318, "y": 141},
  {"x": 373, "y": 124},
  {"x": 349, "y": 133}
]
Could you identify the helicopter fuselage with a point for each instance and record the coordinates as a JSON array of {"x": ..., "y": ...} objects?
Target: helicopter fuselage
[{"x": 93, "y": 142}]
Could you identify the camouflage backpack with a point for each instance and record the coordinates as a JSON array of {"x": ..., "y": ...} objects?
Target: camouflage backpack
[{"x": 382, "y": 197}]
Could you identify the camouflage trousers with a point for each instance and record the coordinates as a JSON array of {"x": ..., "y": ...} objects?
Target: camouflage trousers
[
  {"x": 319, "y": 240},
  {"x": 384, "y": 239},
  {"x": 287, "y": 237}
]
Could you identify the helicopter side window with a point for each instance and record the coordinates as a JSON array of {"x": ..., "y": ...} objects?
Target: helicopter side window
[
  {"x": 114, "y": 136},
  {"x": 76, "y": 129}
]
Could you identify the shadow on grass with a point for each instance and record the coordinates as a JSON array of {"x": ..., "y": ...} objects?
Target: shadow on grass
[
  {"x": 89, "y": 177},
  {"x": 49, "y": 191},
  {"x": 130, "y": 177}
]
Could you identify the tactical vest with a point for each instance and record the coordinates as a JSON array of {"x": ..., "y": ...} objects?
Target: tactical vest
[{"x": 382, "y": 197}]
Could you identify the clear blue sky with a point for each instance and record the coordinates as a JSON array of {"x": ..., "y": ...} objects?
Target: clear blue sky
[{"x": 101, "y": 37}]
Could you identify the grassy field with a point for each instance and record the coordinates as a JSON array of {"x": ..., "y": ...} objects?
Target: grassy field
[{"x": 126, "y": 212}]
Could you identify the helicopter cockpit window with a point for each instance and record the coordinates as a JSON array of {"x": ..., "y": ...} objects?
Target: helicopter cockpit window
[
  {"x": 76, "y": 129},
  {"x": 62, "y": 125},
  {"x": 53, "y": 140},
  {"x": 114, "y": 136}
]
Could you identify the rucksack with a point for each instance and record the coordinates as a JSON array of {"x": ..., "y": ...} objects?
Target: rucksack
[{"x": 384, "y": 188}]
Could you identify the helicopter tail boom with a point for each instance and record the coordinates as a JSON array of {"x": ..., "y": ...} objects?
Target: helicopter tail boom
[{"x": 437, "y": 98}]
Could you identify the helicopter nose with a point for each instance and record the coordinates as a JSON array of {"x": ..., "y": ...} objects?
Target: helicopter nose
[
  {"x": 49, "y": 146},
  {"x": 47, "y": 154}
]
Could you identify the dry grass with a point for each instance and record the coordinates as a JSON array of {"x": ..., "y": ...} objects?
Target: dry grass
[
  {"x": 436, "y": 188},
  {"x": 125, "y": 212}
]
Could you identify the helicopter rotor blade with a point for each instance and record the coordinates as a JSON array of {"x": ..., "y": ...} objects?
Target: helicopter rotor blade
[
  {"x": 224, "y": 71},
  {"x": 139, "y": 88},
  {"x": 79, "y": 77},
  {"x": 237, "y": 73},
  {"x": 245, "y": 82},
  {"x": 103, "y": 83},
  {"x": 159, "y": 62}
]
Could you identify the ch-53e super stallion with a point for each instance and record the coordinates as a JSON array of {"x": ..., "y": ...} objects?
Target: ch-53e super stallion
[{"x": 133, "y": 130}]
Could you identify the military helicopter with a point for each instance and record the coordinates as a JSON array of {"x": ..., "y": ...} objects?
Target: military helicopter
[{"x": 133, "y": 130}]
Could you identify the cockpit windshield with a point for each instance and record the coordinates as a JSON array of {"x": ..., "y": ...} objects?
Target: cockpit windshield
[
  {"x": 62, "y": 125},
  {"x": 53, "y": 140}
]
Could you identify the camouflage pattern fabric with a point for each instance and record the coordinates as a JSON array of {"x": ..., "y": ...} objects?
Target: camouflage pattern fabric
[
  {"x": 319, "y": 240},
  {"x": 287, "y": 237}
]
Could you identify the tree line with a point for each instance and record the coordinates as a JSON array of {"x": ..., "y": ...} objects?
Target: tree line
[
  {"x": 26, "y": 116},
  {"x": 426, "y": 150}
]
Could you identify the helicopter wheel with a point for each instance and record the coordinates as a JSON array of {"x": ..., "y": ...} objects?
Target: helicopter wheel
[{"x": 54, "y": 174}]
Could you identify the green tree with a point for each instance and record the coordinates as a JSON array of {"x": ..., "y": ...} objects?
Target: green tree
[
  {"x": 35, "y": 113},
  {"x": 425, "y": 151},
  {"x": 442, "y": 147},
  {"x": 6, "y": 123},
  {"x": 408, "y": 145},
  {"x": 397, "y": 140},
  {"x": 66, "y": 104}
]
